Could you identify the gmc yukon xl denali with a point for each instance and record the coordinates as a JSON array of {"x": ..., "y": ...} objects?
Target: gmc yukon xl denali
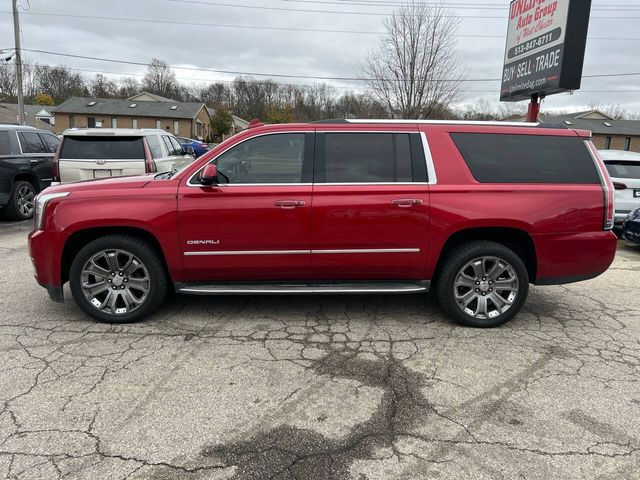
[{"x": 475, "y": 211}]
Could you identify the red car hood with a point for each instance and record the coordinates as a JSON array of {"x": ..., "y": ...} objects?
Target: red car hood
[{"x": 110, "y": 183}]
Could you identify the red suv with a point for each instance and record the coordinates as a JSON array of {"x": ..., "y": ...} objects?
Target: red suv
[{"x": 476, "y": 210}]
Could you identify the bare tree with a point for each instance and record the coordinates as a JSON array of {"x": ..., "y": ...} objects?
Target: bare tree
[
  {"x": 414, "y": 71},
  {"x": 128, "y": 87},
  {"x": 102, "y": 87},
  {"x": 160, "y": 79},
  {"x": 617, "y": 112}
]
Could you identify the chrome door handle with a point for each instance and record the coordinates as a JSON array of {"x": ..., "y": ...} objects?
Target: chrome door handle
[
  {"x": 289, "y": 203},
  {"x": 406, "y": 202}
]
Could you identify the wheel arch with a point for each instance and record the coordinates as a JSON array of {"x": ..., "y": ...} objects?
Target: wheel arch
[
  {"x": 516, "y": 239},
  {"x": 27, "y": 177},
  {"x": 80, "y": 238}
]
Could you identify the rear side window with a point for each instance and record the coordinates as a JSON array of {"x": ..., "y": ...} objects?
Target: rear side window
[
  {"x": 103, "y": 148},
  {"x": 5, "y": 144},
  {"x": 51, "y": 142},
  {"x": 31, "y": 142},
  {"x": 498, "y": 158},
  {"x": 154, "y": 146},
  {"x": 367, "y": 158},
  {"x": 623, "y": 169}
]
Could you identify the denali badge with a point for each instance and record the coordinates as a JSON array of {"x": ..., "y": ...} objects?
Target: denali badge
[{"x": 203, "y": 242}]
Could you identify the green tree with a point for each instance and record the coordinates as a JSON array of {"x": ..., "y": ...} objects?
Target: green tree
[
  {"x": 43, "y": 99},
  {"x": 221, "y": 122},
  {"x": 279, "y": 115}
]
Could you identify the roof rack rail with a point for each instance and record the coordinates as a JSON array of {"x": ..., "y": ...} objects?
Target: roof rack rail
[
  {"x": 552, "y": 125},
  {"x": 332, "y": 120}
]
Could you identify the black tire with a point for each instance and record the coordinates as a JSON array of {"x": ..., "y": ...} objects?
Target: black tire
[
  {"x": 151, "y": 261},
  {"x": 462, "y": 256},
  {"x": 15, "y": 209}
]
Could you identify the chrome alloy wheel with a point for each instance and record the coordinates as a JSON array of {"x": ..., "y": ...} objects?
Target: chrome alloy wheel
[
  {"x": 486, "y": 287},
  {"x": 115, "y": 282},
  {"x": 25, "y": 200}
]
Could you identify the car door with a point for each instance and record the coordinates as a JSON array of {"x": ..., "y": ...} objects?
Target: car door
[
  {"x": 254, "y": 223},
  {"x": 39, "y": 156},
  {"x": 370, "y": 206}
]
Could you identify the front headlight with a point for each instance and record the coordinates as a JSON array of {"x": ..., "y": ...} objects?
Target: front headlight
[{"x": 41, "y": 205}]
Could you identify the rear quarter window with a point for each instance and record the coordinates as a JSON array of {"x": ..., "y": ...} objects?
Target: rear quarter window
[
  {"x": 5, "y": 144},
  {"x": 503, "y": 158},
  {"x": 103, "y": 148}
]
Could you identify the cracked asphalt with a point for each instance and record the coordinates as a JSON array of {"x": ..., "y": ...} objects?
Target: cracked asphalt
[{"x": 374, "y": 387}]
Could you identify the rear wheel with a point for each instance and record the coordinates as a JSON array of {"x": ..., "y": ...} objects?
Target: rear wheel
[
  {"x": 483, "y": 284},
  {"x": 118, "y": 279},
  {"x": 22, "y": 201}
]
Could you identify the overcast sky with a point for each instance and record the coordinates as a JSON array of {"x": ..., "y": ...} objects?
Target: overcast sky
[{"x": 305, "y": 52}]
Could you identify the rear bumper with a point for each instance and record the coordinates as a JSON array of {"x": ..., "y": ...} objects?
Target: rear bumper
[{"x": 573, "y": 257}]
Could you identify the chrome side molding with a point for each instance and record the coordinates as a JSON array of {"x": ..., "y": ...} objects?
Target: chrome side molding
[{"x": 303, "y": 288}]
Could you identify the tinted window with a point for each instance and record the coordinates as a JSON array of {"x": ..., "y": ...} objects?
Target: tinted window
[
  {"x": 154, "y": 146},
  {"x": 176, "y": 146},
  {"x": 367, "y": 157},
  {"x": 170, "y": 147},
  {"x": 496, "y": 158},
  {"x": 5, "y": 144},
  {"x": 31, "y": 142},
  {"x": 108, "y": 148},
  {"x": 266, "y": 159},
  {"x": 51, "y": 142},
  {"x": 620, "y": 169}
]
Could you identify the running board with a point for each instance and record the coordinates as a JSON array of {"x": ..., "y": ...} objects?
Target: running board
[{"x": 302, "y": 288}]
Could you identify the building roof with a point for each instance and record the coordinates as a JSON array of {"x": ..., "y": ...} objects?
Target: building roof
[
  {"x": 9, "y": 115},
  {"x": 150, "y": 97},
  {"x": 115, "y": 106},
  {"x": 600, "y": 126}
]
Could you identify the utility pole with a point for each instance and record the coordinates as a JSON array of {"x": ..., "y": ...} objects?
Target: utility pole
[{"x": 16, "y": 33}]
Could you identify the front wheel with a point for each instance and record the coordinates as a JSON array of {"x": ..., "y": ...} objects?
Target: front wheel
[
  {"x": 118, "y": 279},
  {"x": 482, "y": 284}
]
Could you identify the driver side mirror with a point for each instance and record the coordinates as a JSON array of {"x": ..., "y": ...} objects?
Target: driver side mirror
[{"x": 209, "y": 174}]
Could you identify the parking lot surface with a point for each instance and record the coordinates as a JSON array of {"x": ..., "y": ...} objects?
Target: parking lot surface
[{"x": 373, "y": 387}]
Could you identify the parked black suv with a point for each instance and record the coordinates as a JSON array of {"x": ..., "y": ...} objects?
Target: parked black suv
[{"x": 26, "y": 167}]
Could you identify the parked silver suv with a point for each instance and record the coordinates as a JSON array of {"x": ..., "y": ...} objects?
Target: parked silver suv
[
  {"x": 91, "y": 153},
  {"x": 624, "y": 170}
]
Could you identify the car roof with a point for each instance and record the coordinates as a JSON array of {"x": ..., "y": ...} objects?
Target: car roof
[
  {"x": 113, "y": 132},
  {"x": 619, "y": 155},
  {"x": 13, "y": 126}
]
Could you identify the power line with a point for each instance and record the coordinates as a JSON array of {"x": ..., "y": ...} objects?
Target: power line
[
  {"x": 282, "y": 84},
  {"x": 446, "y": 6},
  {"x": 280, "y": 75},
  {"x": 261, "y": 27},
  {"x": 377, "y": 14}
]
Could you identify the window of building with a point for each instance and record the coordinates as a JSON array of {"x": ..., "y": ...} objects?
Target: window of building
[
  {"x": 627, "y": 143},
  {"x": 114, "y": 122},
  {"x": 134, "y": 123},
  {"x": 158, "y": 124},
  {"x": 72, "y": 121},
  {"x": 198, "y": 129},
  {"x": 91, "y": 122},
  {"x": 607, "y": 143},
  {"x": 176, "y": 127},
  {"x": 367, "y": 158},
  {"x": 499, "y": 158},
  {"x": 267, "y": 159}
]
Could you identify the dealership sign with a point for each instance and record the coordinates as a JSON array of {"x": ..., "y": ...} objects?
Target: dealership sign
[{"x": 545, "y": 47}]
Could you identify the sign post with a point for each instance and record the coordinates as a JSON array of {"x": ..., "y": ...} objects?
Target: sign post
[{"x": 544, "y": 54}]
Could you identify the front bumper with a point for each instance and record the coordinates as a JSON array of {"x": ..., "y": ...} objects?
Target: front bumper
[{"x": 45, "y": 249}]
